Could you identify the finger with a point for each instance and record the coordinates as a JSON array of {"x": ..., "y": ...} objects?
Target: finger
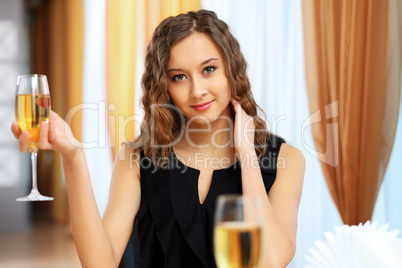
[
  {"x": 15, "y": 129},
  {"x": 54, "y": 116},
  {"x": 43, "y": 137},
  {"x": 236, "y": 104},
  {"x": 237, "y": 107},
  {"x": 52, "y": 126},
  {"x": 250, "y": 123},
  {"x": 23, "y": 141}
]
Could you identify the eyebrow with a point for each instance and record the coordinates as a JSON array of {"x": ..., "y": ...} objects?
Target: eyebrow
[{"x": 202, "y": 63}]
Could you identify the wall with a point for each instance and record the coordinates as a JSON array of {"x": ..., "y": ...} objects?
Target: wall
[{"x": 14, "y": 165}]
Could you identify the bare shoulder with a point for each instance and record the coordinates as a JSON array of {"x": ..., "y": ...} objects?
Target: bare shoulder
[
  {"x": 290, "y": 158},
  {"x": 127, "y": 161},
  {"x": 126, "y": 173},
  {"x": 290, "y": 171}
]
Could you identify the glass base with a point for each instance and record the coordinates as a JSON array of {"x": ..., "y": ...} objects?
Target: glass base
[{"x": 35, "y": 196}]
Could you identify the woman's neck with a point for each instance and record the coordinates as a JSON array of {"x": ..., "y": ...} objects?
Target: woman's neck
[{"x": 214, "y": 135}]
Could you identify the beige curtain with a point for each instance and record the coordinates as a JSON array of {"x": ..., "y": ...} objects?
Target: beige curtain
[
  {"x": 157, "y": 10},
  {"x": 122, "y": 35},
  {"x": 121, "y": 28},
  {"x": 353, "y": 72},
  {"x": 57, "y": 37}
]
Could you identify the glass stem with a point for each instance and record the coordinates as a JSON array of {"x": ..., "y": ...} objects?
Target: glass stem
[{"x": 33, "y": 165}]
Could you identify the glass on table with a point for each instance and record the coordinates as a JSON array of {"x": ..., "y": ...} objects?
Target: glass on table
[{"x": 237, "y": 231}]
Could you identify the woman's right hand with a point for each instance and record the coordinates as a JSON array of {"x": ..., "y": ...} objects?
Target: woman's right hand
[{"x": 54, "y": 135}]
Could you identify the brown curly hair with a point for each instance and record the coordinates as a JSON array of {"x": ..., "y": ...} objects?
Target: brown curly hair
[{"x": 156, "y": 138}]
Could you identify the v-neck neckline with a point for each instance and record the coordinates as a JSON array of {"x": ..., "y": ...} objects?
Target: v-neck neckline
[{"x": 198, "y": 172}]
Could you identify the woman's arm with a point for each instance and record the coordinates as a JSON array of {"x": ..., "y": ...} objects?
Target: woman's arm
[
  {"x": 102, "y": 243},
  {"x": 124, "y": 200},
  {"x": 280, "y": 207},
  {"x": 98, "y": 243}
]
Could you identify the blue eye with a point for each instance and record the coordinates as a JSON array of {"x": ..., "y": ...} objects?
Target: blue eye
[
  {"x": 209, "y": 69},
  {"x": 178, "y": 77}
]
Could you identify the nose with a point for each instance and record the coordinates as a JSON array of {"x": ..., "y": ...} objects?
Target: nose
[{"x": 198, "y": 88}]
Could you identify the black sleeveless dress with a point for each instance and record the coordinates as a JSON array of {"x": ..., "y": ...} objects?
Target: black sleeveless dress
[{"x": 172, "y": 229}]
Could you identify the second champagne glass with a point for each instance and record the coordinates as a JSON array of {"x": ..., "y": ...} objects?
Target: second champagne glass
[
  {"x": 32, "y": 107},
  {"x": 237, "y": 231}
]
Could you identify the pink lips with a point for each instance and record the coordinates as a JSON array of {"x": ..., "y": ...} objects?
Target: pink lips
[{"x": 202, "y": 106}]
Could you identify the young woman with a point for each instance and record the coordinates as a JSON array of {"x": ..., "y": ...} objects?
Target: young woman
[{"x": 200, "y": 137}]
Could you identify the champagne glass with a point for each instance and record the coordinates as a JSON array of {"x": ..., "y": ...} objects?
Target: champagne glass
[
  {"x": 237, "y": 231},
  {"x": 32, "y": 107}
]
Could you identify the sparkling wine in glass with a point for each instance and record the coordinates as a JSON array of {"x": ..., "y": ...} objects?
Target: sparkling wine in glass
[
  {"x": 32, "y": 107},
  {"x": 237, "y": 231}
]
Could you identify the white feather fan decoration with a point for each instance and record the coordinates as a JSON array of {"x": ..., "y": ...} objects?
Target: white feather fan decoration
[{"x": 359, "y": 246}]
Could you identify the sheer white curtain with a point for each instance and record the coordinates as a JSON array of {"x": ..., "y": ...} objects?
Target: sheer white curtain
[
  {"x": 388, "y": 208},
  {"x": 270, "y": 35},
  {"x": 95, "y": 119},
  {"x": 95, "y": 130}
]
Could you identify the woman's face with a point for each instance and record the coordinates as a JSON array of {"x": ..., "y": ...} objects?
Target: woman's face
[{"x": 197, "y": 82}]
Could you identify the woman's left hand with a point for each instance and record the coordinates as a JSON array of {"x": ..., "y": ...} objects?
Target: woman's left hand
[{"x": 244, "y": 129}]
